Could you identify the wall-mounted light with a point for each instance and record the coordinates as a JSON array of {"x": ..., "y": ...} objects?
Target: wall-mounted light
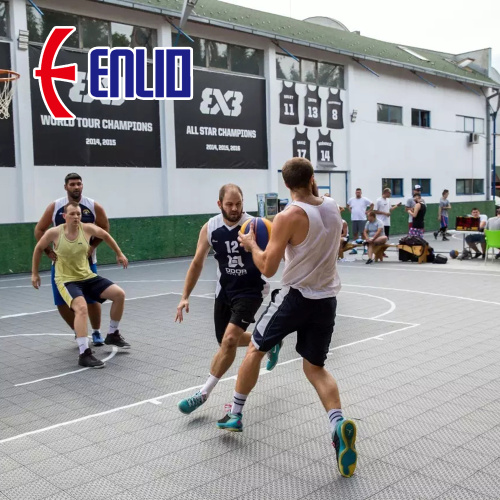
[
  {"x": 354, "y": 114},
  {"x": 23, "y": 40}
]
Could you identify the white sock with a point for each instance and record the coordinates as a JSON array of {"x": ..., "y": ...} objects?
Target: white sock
[
  {"x": 209, "y": 385},
  {"x": 96, "y": 330},
  {"x": 335, "y": 417},
  {"x": 113, "y": 326},
  {"x": 238, "y": 402},
  {"x": 83, "y": 344}
]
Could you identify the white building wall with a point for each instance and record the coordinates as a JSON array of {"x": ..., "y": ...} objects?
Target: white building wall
[
  {"x": 380, "y": 150},
  {"x": 366, "y": 150}
]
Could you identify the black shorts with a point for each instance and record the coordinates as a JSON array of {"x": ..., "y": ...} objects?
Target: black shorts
[
  {"x": 240, "y": 312},
  {"x": 312, "y": 319},
  {"x": 91, "y": 288},
  {"x": 387, "y": 230}
]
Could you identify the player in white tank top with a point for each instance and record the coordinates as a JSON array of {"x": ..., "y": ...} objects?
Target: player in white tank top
[{"x": 307, "y": 234}]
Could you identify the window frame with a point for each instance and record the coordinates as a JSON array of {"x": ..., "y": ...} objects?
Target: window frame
[
  {"x": 389, "y": 114},
  {"x": 420, "y": 182},
  {"x": 419, "y": 124},
  {"x": 471, "y": 184},
  {"x": 316, "y": 65},
  {"x": 390, "y": 185},
  {"x": 7, "y": 35},
  {"x": 474, "y": 127}
]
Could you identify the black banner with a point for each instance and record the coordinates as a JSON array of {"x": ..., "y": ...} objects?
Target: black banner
[
  {"x": 224, "y": 125},
  {"x": 105, "y": 133},
  {"x": 7, "y": 153}
]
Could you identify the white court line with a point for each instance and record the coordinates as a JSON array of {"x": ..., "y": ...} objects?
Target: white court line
[
  {"x": 495, "y": 273},
  {"x": 37, "y": 335},
  {"x": 391, "y": 303},
  {"x": 107, "y": 267},
  {"x": 155, "y": 400},
  {"x": 426, "y": 293},
  {"x": 112, "y": 354}
]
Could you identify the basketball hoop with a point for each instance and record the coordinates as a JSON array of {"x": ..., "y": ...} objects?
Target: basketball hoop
[{"x": 8, "y": 79}]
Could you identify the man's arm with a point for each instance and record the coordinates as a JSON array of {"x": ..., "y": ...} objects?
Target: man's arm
[
  {"x": 365, "y": 234},
  {"x": 268, "y": 261},
  {"x": 370, "y": 207},
  {"x": 194, "y": 271},
  {"x": 414, "y": 211},
  {"x": 395, "y": 206},
  {"x": 97, "y": 232},
  {"x": 101, "y": 220},
  {"x": 439, "y": 212},
  {"x": 43, "y": 225},
  {"x": 44, "y": 243}
]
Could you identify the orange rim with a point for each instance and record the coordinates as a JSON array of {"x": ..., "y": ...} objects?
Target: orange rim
[{"x": 11, "y": 75}]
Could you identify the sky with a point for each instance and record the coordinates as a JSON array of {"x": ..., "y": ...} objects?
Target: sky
[{"x": 452, "y": 26}]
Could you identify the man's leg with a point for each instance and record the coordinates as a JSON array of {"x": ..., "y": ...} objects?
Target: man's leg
[
  {"x": 67, "y": 315},
  {"x": 94, "y": 309},
  {"x": 117, "y": 296}
]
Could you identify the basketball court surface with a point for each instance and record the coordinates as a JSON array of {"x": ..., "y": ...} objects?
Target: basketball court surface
[{"x": 415, "y": 352}]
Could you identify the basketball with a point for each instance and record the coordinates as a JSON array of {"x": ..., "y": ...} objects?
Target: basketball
[
  {"x": 454, "y": 254},
  {"x": 262, "y": 230}
]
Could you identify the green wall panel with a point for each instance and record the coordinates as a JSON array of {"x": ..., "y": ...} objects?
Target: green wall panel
[{"x": 149, "y": 238}]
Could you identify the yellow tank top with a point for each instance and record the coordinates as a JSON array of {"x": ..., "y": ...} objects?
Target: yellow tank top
[{"x": 72, "y": 262}]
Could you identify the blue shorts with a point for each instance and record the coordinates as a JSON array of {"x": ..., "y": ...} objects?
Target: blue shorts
[
  {"x": 58, "y": 300},
  {"x": 444, "y": 221}
]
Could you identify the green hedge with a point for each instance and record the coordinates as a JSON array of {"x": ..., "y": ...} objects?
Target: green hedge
[{"x": 149, "y": 238}]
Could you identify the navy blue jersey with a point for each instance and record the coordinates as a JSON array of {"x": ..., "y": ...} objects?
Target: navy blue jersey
[
  {"x": 237, "y": 274},
  {"x": 86, "y": 204}
]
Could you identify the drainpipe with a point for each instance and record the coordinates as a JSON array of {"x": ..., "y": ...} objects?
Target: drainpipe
[{"x": 491, "y": 159}]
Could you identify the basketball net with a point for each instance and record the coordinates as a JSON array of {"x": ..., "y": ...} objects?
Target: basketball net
[{"x": 8, "y": 80}]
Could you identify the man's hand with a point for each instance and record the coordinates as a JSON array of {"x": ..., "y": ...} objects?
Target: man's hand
[
  {"x": 49, "y": 252},
  {"x": 36, "y": 280},
  {"x": 122, "y": 260},
  {"x": 247, "y": 241},
  {"x": 184, "y": 303}
]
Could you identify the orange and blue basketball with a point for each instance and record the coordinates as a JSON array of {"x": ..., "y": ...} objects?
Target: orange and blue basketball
[
  {"x": 262, "y": 229},
  {"x": 454, "y": 254}
]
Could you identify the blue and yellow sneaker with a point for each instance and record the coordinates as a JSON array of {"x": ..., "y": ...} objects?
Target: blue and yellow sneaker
[
  {"x": 344, "y": 438},
  {"x": 231, "y": 422},
  {"x": 272, "y": 356},
  {"x": 97, "y": 340},
  {"x": 190, "y": 404}
]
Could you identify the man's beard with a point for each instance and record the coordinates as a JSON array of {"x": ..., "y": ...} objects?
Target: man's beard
[
  {"x": 75, "y": 196},
  {"x": 231, "y": 218}
]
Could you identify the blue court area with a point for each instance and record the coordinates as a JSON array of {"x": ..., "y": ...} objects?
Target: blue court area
[{"x": 415, "y": 353}]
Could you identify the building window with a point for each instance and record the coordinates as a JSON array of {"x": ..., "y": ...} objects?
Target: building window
[
  {"x": 425, "y": 184},
  {"x": 470, "y": 186},
  {"x": 389, "y": 114},
  {"x": 212, "y": 54},
  {"x": 420, "y": 118},
  {"x": 470, "y": 124},
  {"x": 307, "y": 71},
  {"x": 3, "y": 20},
  {"x": 89, "y": 32},
  {"x": 395, "y": 185}
]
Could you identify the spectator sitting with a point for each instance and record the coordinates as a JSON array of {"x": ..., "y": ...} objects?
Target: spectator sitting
[
  {"x": 493, "y": 224},
  {"x": 373, "y": 234},
  {"x": 344, "y": 237},
  {"x": 473, "y": 239}
]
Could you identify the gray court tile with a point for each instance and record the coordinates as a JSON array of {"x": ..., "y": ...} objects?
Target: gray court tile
[
  {"x": 482, "y": 483},
  {"x": 99, "y": 488},
  {"x": 422, "y": 486},
  {"x": 458, "y": 493},
  {"x": 33, "y": 491},
  {"x": 17, "y": 477}
]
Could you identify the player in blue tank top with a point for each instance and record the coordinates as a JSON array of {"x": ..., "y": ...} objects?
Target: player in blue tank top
[
  {"x": 239, "y": 293},
  {"x": 91, "y": 212}
]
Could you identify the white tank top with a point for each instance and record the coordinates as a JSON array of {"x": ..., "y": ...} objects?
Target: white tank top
[{"x": 311, "y": 267}]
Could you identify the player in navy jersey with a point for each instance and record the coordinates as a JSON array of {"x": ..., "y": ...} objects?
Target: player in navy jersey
[
  {"x": 91, "y": 212},
  {"x": 240, "y": 289}
]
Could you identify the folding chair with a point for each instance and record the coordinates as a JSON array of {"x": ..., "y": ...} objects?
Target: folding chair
[{"x": 492, "y": 241}]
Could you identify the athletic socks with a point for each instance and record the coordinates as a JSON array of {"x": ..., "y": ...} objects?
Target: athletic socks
[
  {"x": 209, "y": 385},
  {"x": 83, "y": 344},
  {"x": 335, "y": 417},
  {"x": 96, "y": 331},
  {"x": 238, "y": 402},
  {"x": 113, "y": 326}
]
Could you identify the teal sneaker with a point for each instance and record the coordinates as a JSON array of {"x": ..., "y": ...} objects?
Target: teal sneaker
[
  {"x": 344, "y": 438},
  {"x": 231, "y": 422},
  {"x": 273, "y": 356},
  {"x": 190, "y": 404}
]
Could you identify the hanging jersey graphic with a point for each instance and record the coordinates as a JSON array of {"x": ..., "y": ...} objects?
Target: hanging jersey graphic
[
  {"x": 289, "y": 105},
  {"x": 312, "y": 108},
  {"x": 334, "y": 110},
  {"x": 237, "y": 274},
  {"x": 324, "y": 148},
  {"x": 301, "y": 145}
]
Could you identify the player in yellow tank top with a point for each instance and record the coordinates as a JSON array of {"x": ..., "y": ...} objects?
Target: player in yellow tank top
[{"x": 75, "y": 280}]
